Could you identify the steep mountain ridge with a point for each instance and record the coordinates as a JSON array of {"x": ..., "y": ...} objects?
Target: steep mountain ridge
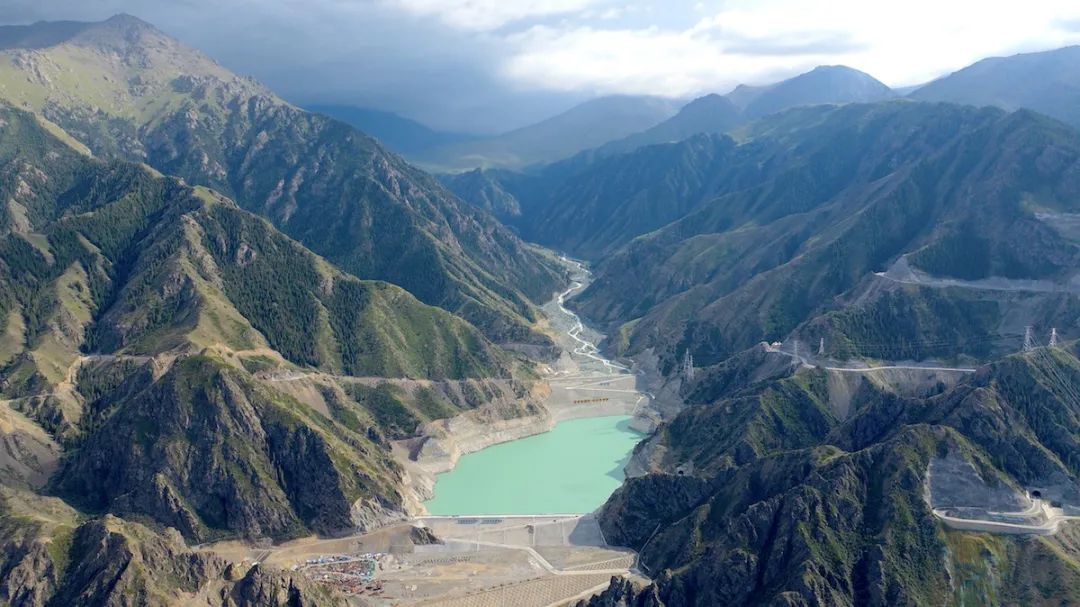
[
  {"x": 1047, "y": 82},
  {"x": 206, "y": 450},
  {"x": 52, "y": 558},
  {"x": 122, "y": 230},
  {"x": 128, "y": 91},
  {"x": 486, "y": 192}
]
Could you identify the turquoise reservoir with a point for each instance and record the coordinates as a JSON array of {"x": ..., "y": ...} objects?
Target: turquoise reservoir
[{"x": 572, "y": 469}]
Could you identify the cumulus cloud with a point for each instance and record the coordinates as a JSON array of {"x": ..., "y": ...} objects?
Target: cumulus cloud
[{"x": 754, "y": 42}]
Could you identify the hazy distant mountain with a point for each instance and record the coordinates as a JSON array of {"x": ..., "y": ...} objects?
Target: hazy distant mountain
[
  {"x": 557, "y": 190},
  {"x": 743, "y": 94},
  {"x": 582, "y": 127},
  {"x": 708, "y": 114},
  {"x": 720, "y": 113},
  {"x": 1047, "y": 82},
  {"x": 40, "y": 35},
  {"x": 610, "y": 125},
  {"x": 402, "y": 135},
  {"x": 823, "y": 84},
  {"x": 128, "y": 91}
]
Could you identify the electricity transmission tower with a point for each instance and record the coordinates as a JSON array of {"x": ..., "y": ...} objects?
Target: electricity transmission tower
[
  {"x": 821, "y": 347},
  {"x": 1029, "y": 339},
  {"x": 1053, "y": 337},
  {"x": 688, "y": 366}
]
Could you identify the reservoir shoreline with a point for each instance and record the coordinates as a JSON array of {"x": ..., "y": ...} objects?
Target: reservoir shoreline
[
  {"x": 573, "y": 468},
  {"x": 579, "y": 384}
]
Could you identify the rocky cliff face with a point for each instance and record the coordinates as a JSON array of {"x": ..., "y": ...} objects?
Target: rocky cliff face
[
  {"x": 261, "y": 586},
  {"x": 110, "y": 563},
  {"x": 622, "y": 593}
]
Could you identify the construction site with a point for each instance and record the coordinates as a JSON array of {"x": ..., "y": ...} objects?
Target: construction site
[{"x": 457, "y": 561}]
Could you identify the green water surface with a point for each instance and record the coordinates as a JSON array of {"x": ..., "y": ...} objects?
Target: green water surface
[{"x": 573, "y": 468}]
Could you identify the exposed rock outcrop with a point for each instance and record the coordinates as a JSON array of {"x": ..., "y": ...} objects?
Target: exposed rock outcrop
[
  {"x": 623, "y": 593},
  {"x": 266, "y": 588}
]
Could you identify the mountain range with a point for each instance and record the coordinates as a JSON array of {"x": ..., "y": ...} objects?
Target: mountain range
[
  {"x": 937, "y": 236},
  {"x": 163, "y": 337},
  {"x": 1044, "y": 82},
  {"x": 534, "y": 188},
  {"x": 843, "y": 224},
  {"x": 218, "y": 312}
]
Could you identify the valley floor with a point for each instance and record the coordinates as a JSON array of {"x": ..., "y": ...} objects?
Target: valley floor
[
  {"x": 511, "y": 560},
  {"x": 496, "y": 560}
]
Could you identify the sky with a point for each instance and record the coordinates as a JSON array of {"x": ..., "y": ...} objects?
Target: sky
[{"x": 492, "y": 65}]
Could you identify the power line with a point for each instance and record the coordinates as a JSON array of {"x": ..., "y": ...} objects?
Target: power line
[{"x": 1054, "y": 375}]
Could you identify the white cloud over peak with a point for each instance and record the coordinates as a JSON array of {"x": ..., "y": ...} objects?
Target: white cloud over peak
[{"x": 757, "y": 41}]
